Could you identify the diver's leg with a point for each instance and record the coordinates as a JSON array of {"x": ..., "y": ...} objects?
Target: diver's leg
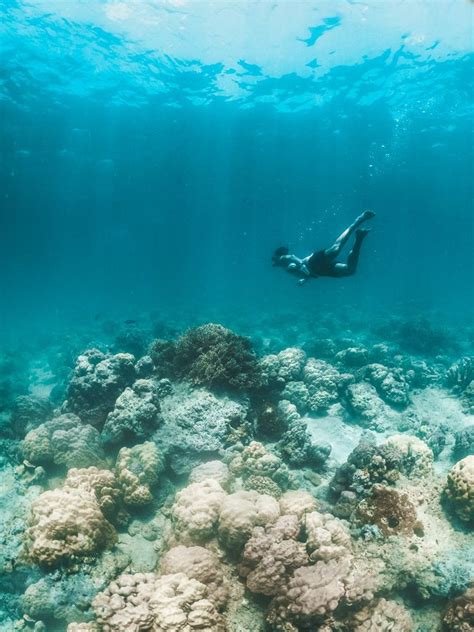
[
  {"x": 353, "y": 257},
  {"x": 336, "y": 248}
]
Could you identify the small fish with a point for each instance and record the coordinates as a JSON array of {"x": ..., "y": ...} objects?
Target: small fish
[{"x": 130, "y": 321}]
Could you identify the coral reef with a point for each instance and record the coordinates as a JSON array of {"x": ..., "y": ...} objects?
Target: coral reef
[
  {"x": 97, "y": 381},
  {"x": 298, "y": 449},
  {"x": 198, "y": 563},
  {"x": 29, "y": 411},
  {"x": 137, "y": 470},
  {"x": 196, "y": 510},
  {"x": 67, "y": 525},
  {"x": 390, "y": 384},
  {"x": 197, "y": 426},
  {"x": 66, "y": 441},
  {"x": 135, "y": 415},
  {"x": 383, "y": 616},
  {"x": 464, "y": 443},
  {"x": 460, "y": 488},
  {"x": 459, "y": 615},
  {"x": 240, "y": 513},
  {"x": 255, "y": 460},
  {"x": 214, "y": 356},
  {"x": 300, "y": 494},
  {"x": 170, "y": 602}
]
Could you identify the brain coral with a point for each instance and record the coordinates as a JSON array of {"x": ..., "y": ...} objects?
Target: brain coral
[
  {"x": 217, "y": 470},
  {"x": 284, "y": 367},
  {"x": 135, "y": 415},
  {"x": 240, "y": 513},
  {"x": 102, "y": 484},
  {"x": 459, "y": 615},
  {"x": 416, "y": 458},
  {"x": 271, "y": 555},
  {"x": 256, "y": 460},
  {"x": 326, "y": 537},
  {"x": 29, "y": 412},
  {"x": 66, "y": 525},
  {"x": 315, "y": 592},
  {"x": 214, "y": 356},
  {"x": 460, "y": 488},
  {"x": 97, "y": 381},
  {"x": 199, "y": 563},
  {"x": 196, "y": 510},
  {"x": 383, "y": 616},
  {"x": 64, "y": 440},
  {"x": 146, "y": 602},
  {"x": 137, "y": 470},
  {"x": 297, "y": 502}
]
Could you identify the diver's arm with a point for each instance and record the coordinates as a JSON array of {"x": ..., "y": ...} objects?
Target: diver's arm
[{"x": 291, "y": 259}]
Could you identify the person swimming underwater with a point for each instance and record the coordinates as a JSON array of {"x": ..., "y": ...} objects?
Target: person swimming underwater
[{"x": 323, "y": 262}]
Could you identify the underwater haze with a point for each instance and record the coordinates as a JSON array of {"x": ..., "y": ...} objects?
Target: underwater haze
[
  {"x": 155, "y": 153},
  {"x": 192, "y": 439}
]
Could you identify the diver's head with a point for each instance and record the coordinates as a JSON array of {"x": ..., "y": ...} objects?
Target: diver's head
[{"x": 276, "y": 258}]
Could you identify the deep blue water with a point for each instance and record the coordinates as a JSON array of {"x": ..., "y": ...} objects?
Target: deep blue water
[{"x": 152, "y": 160}]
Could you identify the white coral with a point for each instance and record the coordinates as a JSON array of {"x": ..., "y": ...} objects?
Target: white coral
[
  {"x": 138, "y": 469},
  {"x": 240, "y": 513},
  {"x": 196, "y": 510},
  {"x": 326, "y": 537},
  {"x": 67, "y": 524},
  {"x": 460, "y": 488}
]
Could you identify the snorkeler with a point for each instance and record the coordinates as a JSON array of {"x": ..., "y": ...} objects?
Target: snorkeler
[{"x": 323, "y": 262}]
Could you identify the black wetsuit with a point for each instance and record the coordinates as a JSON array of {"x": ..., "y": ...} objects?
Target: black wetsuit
[{"x": 320, "y": 264}]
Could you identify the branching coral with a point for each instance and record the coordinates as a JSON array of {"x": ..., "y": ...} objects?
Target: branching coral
[
  {"x": 138, "y": 469},
  {"x": 214, "y": 356},
  {"x": 97, "y": 381},
  {"x": 135, "y": 415},
  {"x": 162, "y": 354},
  {"x": 64, "y": 440},
  {"x": 460, "y": 488},
  {"x": 460, "y": 374}
]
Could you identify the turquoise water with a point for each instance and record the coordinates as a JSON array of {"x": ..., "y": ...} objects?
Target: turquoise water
[{"x": 153, "y": 154}]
